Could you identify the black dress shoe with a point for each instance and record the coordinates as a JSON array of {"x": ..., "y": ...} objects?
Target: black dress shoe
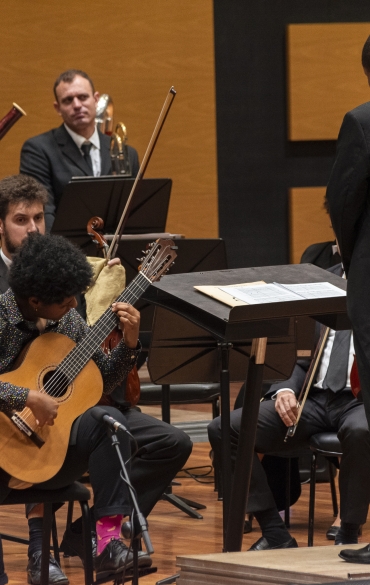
[
  {"x": 262, "y": 544},
  {"x": 332, "y": 532},
  {"x": 359, "y": 555},
  {"x": 56, "y": 575},
  {"x": 116, "y": 557},
  {"x": 72, "y": 544}
]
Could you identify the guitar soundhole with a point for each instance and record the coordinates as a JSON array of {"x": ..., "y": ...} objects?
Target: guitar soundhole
[{"x": 55, "y": 383}]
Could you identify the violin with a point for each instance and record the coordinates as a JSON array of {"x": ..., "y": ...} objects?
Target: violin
[{"x": 132, "y": 390}]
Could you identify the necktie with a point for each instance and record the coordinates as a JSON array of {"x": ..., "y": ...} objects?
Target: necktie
[
  {"x": 336, "y": 375},
  {"x": 86, "y": 150}
]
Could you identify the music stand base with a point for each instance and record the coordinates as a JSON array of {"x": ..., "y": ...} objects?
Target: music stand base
[
  {"x": 168, "y": 580},
  {"x": 184, "y": 505}
]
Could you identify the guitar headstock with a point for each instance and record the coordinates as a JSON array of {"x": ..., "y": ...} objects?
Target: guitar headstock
[{"x": 158, "y": 259}]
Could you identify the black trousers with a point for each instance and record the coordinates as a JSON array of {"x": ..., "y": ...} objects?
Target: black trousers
[
  {"x": 92, "y": 451},
  {"x": 323, "y": 411},
  {"x": 162, "y": 452}
]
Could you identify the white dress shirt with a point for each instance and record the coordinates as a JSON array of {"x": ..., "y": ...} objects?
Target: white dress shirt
[
  {"x": 324, "y": 363},
  {"x": 94, "y": 140},
  {"x": 6, "y": 260}
]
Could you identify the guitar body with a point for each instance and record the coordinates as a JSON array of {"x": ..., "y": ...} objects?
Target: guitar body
[{"x": 19, "y": 455}]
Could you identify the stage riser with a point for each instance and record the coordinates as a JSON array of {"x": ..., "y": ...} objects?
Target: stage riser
[{"x": 301, "y": 566}]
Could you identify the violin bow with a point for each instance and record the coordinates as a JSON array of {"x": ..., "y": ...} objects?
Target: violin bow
[
  {"x": 310, "y": 376},
  {"x": 157, "y": 130}
]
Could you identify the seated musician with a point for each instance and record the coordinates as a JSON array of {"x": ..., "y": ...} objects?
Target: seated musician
[
  {"x": 76, "y": 148},
  {"x": 46, "y": 274},
  {"x": 330, "y": 407},
  {"x": 163, "y": 449}
]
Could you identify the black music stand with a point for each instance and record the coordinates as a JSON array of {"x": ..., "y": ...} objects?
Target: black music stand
[
  {"x": 227, "y": 326},
  {"x": 106, "y": 197},
  {"x": 193, "y": 255}
]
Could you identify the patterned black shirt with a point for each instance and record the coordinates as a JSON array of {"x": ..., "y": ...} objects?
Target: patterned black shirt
[{"x": 15, "y": 332}]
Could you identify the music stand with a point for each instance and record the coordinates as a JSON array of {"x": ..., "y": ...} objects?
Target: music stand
[
  {"x": 193, "y": 255},
  {"x": 106, "y": 197},
  {"x": 229, "y": 325}
]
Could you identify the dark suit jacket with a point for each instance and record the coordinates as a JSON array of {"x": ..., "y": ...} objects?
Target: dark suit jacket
[
  {"x": 53, "y": 158},
  {"x": 4, "y": 276},
  {"x": 321, "y": 254},
  {"x": 349, "y": 187}
]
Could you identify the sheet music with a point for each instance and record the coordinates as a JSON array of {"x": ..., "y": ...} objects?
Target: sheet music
[
  {"x": 315, "y": 290},
  {"x": 277, "y": 293}
]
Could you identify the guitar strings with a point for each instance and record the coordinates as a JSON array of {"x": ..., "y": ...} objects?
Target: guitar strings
[
  {"x": 88, "y": 345},
  {"x": 55, "y": 385}
]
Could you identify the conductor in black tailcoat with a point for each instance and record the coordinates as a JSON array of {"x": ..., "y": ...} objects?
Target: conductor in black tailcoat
[
  {"x": 54, "y": 157},
  {"x": 348, "y": 194}
]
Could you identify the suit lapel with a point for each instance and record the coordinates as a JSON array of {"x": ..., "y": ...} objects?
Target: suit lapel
[
  {"x": 70, "y": 150},
  {"x": 4, "y": 277}
]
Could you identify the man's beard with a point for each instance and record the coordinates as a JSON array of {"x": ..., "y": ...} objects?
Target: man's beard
[{"x": 10, "y": 246}]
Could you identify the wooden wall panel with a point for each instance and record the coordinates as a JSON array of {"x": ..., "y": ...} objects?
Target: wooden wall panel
[
  {"x": 325, "y": 77},
  {"x": 134, "y": 51},
  {"x": 309, "y": 222}
]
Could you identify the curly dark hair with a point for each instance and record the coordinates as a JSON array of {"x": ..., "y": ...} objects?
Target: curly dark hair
[
  {"x": 20, "y": 189},
  {"x": 49, "y": 268},
  {"x": 365, "y": 57},
  {"x": 68, "y": 76}
]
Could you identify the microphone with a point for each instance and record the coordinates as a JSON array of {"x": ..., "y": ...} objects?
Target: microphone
[{"x": 102, "y": 416}]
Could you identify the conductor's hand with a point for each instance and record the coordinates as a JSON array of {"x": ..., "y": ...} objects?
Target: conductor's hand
[
  {"x": 129, "y": 322},
  {"x": 43, "y": 407},
  {"x": 286, "y": 406}
]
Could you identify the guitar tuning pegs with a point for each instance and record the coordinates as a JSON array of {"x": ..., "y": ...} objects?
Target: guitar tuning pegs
[{"x": 140, "y": 259}]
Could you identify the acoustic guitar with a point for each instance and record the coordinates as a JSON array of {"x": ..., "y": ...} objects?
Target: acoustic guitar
[{"x": 54, "y": 364}]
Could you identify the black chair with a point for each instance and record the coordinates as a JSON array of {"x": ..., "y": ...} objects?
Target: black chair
[
  {"x": 166, "y": 395},
  {"x": 75, "y": 492},
  {"x": 328, "y": 445}
]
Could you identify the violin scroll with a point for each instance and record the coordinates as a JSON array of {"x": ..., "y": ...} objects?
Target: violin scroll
[{"x": 94, "y": 224}]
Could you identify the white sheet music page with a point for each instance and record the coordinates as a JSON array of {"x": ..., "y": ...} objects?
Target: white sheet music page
[
  {"x": 315, "y": 290},
  {"x": 276, "y": 293}
]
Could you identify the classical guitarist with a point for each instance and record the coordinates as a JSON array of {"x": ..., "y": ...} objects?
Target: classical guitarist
[{"x": 46, "y": 274}]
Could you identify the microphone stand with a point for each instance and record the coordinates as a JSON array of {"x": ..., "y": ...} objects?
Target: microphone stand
[{"x": 140, "y": 517}]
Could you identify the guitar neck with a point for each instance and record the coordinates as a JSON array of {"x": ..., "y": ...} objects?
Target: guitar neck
[{"x": 85, "y": 349}]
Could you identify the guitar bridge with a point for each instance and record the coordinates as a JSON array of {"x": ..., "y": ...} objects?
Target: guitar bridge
[{"x": 26, "y": 429}]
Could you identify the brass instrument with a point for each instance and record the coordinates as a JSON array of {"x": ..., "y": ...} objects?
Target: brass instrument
[
  {"x": 118, "y": 146},
  {"x": 104, "y": 114},
  {"x": 10, "y": 118}
]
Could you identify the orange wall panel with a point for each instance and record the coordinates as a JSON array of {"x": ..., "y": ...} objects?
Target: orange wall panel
[
  {"x": 325, "y": 77},
  {"x": 134, "y": 51}
]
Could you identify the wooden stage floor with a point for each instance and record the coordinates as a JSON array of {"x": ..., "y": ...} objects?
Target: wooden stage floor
[{"x": 172, "y": 532}]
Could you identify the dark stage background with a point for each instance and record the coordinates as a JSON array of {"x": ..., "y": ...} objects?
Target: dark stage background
[{"x": 256, "y": 163}]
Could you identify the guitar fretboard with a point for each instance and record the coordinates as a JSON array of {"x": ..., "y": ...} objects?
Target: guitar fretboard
[{"x": 74, "y": 362}]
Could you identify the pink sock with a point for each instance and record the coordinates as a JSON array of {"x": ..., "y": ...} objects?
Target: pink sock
[{"x": 107, "y": 528}]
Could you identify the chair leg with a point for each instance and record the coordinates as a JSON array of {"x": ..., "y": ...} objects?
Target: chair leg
[
  {"x": 69, "y": 514},
  {"x": 333, "y": 489},
  {"x": 287, "y": 492},
  {"x": 166, "y": 403},
  {"x": 215, "y": 407},
  {"x": 311, "y": 510},
  {"x": 46, "y": 531},
  {"x": 54, "y": 535},
  {"x": 86, "y": 533}
]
